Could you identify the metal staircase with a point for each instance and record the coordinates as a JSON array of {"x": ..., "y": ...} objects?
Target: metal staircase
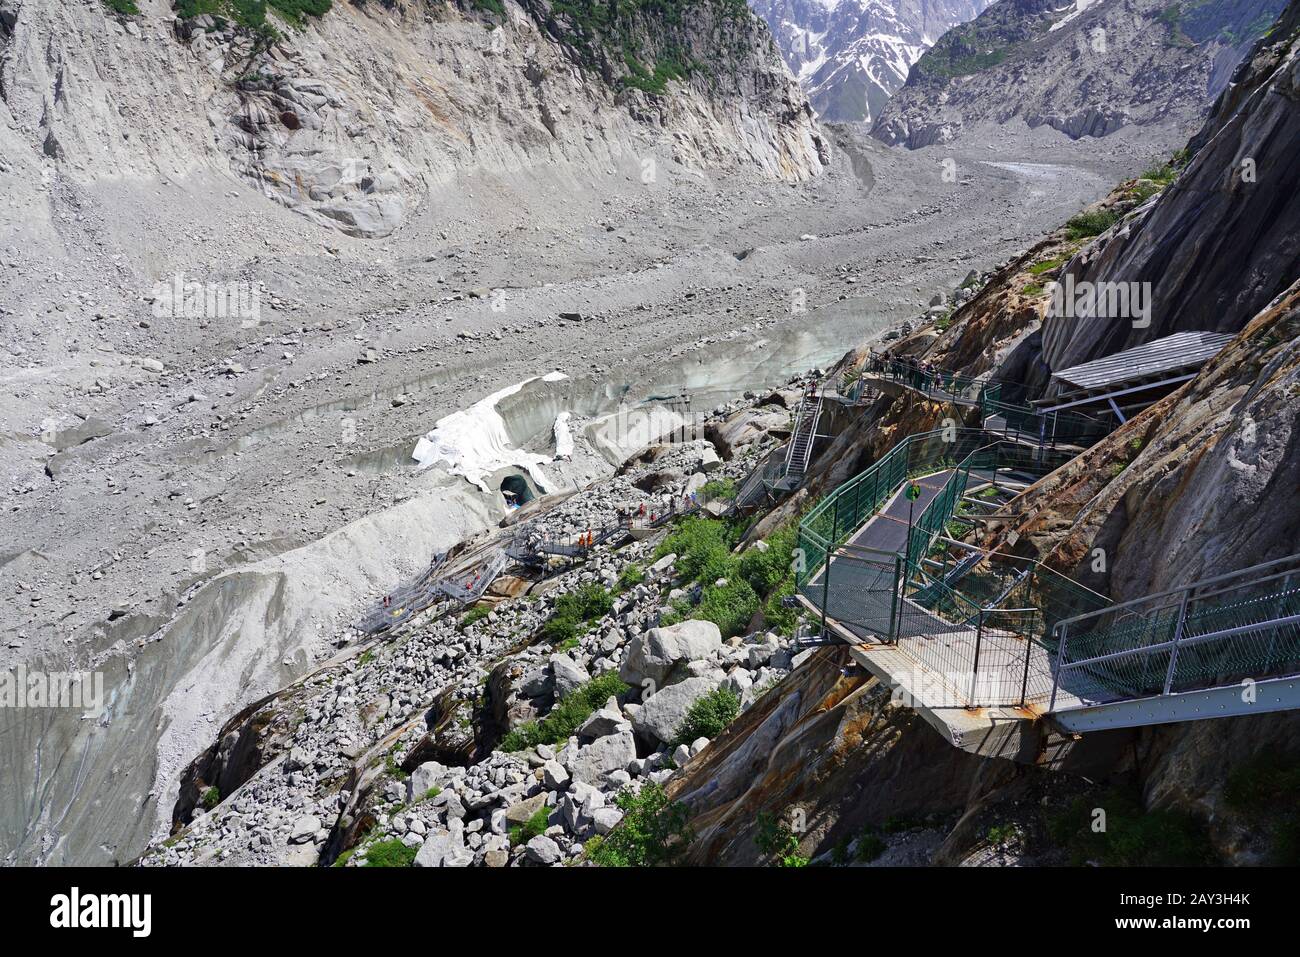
[
  {"x": 479, "y": 580},
  {"x": 799, "y": 451}
]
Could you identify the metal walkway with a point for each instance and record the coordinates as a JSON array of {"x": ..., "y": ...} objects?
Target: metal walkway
[
  {"x": 782, "y": 470},
  {"x": 1028, "y": 641},
  {"x": 1226, "y": 645}
]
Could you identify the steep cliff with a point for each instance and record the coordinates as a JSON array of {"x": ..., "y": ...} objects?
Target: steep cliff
[
  {"x": 1085, "y": 70},
  {"x": 355, "y": 116}
]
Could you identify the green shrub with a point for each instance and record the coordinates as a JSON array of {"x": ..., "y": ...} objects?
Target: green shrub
[
  {"x": 777, "y": 617},
  {"x": 1091, "y": 223},
  {"x": 1134, "y": 837},
  {"x": 126, "y": 8},
  {"x": 535, "y": 825},
  {"x": 729, "y": 606},
  {"x": 709, "y": 716},
  {"x": 475, "y": 614},
  {"x": 211, "y": 798},
  {"x": 630, "y": 577},
  {"x": 653, "y": 831},
  {"x": 1268, "y": 789},
  {"x": 574, "y": 610},
  {"x": 1002, "y": 833},
  {"x": 703, "y": 548},
  {"x": 391, "y": 853},
  {"x": 870, "y": 846},
  {"x": 567, "y": 715},
  {"x": 765, "y": 570},
  {"x": 775, "y": 839},
  {"x": 251, "y": 14},
  {"x": 719, "y": 488}
]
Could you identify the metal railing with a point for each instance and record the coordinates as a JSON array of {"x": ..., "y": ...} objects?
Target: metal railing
[
  {"x": 934, "y": 383},
  {"x": 841, "y": 513},
  {"x": 1237, "y": 627},
  {"x": 1020, "y": 421}
]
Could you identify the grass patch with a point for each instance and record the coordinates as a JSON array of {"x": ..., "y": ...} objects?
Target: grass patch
[
  {"x": 575, "y": 610},
  {"x": 1091, "y": 223},
  {"x": 531, "y": 828},
  {"x": 709, "y": 716},
  {"x": 126, "y": 8},
  {"x": 1047, "y": 265},
  {"x": 391, "y": 853},
  {"x": 567, "y": 715},
  {"x": 477, "y": 613},
  {"x": 394, "y": 769},
  {"x": 1133, "y": 836},
  {"x": 653, "y": 832}
]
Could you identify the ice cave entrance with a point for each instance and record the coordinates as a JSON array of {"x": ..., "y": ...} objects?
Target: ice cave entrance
[{"x": 516, "y": 490}]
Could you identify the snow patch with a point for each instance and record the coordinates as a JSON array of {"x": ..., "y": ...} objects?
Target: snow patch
[
  {"x": 563, "y": 437},
  {"x": 474, "y": 442}
]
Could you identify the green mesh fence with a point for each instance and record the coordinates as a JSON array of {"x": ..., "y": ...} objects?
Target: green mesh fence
[{"x": 1212, "y": 634}]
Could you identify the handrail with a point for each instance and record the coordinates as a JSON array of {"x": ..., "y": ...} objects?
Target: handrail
[{"x": 1173, "y": 653}]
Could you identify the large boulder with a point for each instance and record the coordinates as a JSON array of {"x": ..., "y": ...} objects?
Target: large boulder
[
  {"x": 659, "y": 652},
  {"x": 661, "y": 714},
  {"x": 608, "y": 720},
  {"x": 569, "y": 677},
  {"x": 594, "y": 762},
  {"x": 437, "y": 848},
  {"x": 745, "y": 427}
]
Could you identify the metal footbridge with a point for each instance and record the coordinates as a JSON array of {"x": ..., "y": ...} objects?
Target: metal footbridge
[
  {"x": 1012, "y": 640},
  {"x": 436, "y": 587},
  {"x": 999, "y": 413}
]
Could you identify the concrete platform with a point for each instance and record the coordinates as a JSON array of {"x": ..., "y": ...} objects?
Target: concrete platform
[{"x": 1011, "y": 733}]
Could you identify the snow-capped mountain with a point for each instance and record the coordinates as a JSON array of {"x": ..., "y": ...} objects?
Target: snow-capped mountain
[{"x": 851, "y": 55}]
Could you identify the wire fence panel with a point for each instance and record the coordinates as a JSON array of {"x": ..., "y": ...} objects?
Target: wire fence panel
[{"x": 1235, "y": 628}]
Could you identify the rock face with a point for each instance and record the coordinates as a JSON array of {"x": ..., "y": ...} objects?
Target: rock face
[
  {"x": 851, "y": 55},
  {"x": 1085, "y": 70},
  {"x": 1221, "y": 243},
  {"x": 832, "y": 747},
  {"x": 371, "y": 110}
]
